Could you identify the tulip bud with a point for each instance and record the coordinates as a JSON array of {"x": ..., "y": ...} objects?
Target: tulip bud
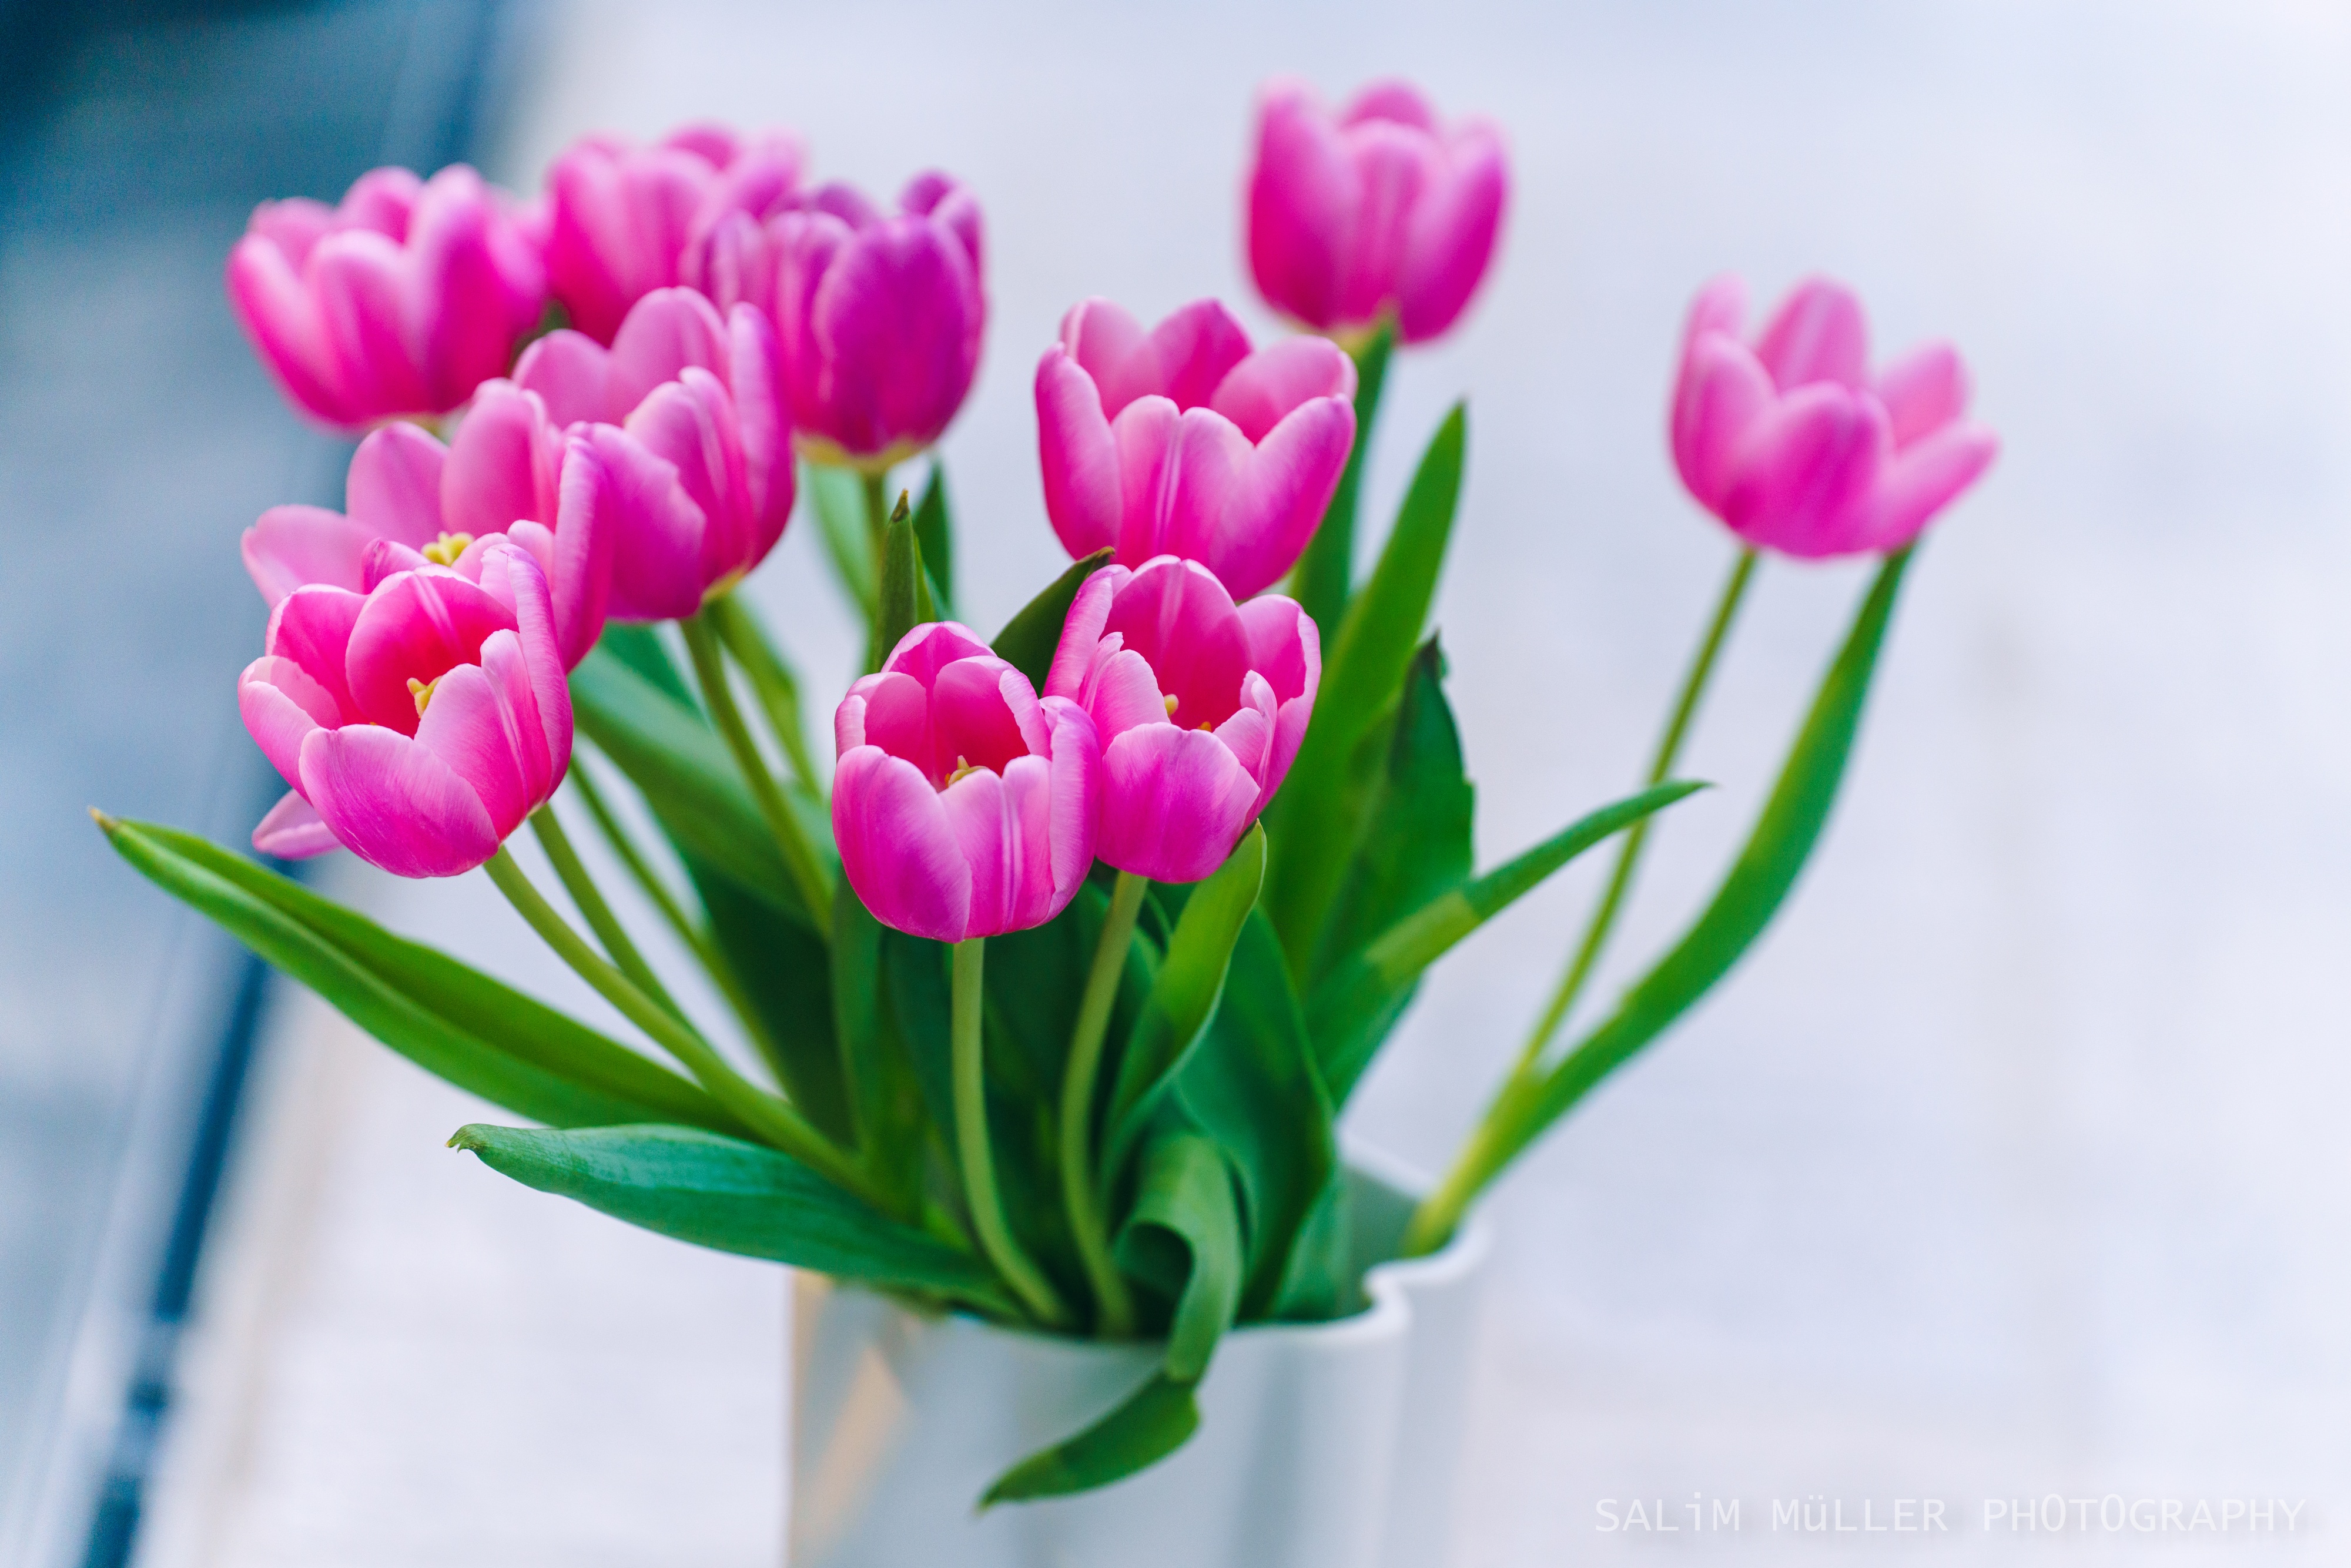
[
  {"x": 1381, "y": 210},
  {"x": 625, "y": 220},
  {"x": 964, "y": 806},
  {"x": 418, "y": 723},
  {"x": 1796, "y": 447},
  {"x": 1200, "y": 705},
  {"x": 401, "y": 301},
  {"x": 1182, "y": 442}
]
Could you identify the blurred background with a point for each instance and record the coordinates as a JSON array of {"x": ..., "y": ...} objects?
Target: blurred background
[{"x": 2009, "y": 1165}]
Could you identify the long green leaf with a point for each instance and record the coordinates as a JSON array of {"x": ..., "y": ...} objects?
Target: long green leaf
[
  {"x": 1767, "y": 868},
  {"x": 1029, "y": 639},
  {"x": 1325, "y": 575},
  {"x": 507, "y": 1049},
  {"x": 1347, "y": 1013},
  {"x": 906, "y": 596},
  {"x": 1143, "y": 1428},
  {"x": 885, "y": 1101},
  {"x": 734, "y": 1196},
  {"x": 837, "y": 496},
  {"x": 1371, "y": 652},
  {"x": 934, "y": 531}
]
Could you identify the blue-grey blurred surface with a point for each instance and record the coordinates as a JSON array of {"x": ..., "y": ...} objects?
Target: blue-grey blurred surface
[{"x": 136, "y": 437}]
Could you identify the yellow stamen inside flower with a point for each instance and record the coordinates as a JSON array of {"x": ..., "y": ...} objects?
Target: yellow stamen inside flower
[
  {"x": 1171, "y": 704},
  {"x": 445, "y": 551},
  {"x": 961, "y": 769},
  {"x": 421, "y": 691}
]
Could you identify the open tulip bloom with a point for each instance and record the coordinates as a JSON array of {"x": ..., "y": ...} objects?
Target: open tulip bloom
[{"x": 1093, "y": 926}]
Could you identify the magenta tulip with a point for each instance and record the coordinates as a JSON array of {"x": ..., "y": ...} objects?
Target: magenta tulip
[
  {"x": 1182, "y": 442},
  {"x": 1795, "y": 446},
  {"x": 418, "y": 723},
  {"x": 964, "y": 806},
  {"x": 625, "y": 220},
  {"x": 879, "y": 314},
  {"x": 510, "y": 475},
  {"x": 1380, "y": 210},
  {"x": 400, "y": 301},
  {"x": 1200, "y": 705},
  {"x": 688, "y": 417}
]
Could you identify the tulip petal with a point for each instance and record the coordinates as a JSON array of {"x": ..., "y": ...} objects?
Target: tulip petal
[
  {"x": 1073, "y": 656},
  {"x": 502, "y": 465},
  {"x": 274, "y": 305},
  {"x": 471, "y": 725},
  {"x": 293, "y": 831},
  {"x": 1817, "y": 335},
  {"x": 356, "y": 277},
  {"x": 1449, "y": 240},
  {"x": 1076, "y": 804},
  {"x": 1722, "y": 394},
  {"x": 1924, "y": 391},
  {"x": 1177, "y": 615},
  {"x": 1174, "y": 802},
  {"x": 1924, "y": 478},
  {"x": 896, "y": 323},
  {"x": 972, "y": 725},
  {"x": 291, "y": 546},
  {"x": 987, "y": 833},
  {"x": 568, "y": 370},
  {"x": 1262, "y": 389},
  {"x": 519, "y": 585},
  {"x": 763, "y": 429},
  {"x": 1099, "y": 336},
  {"x": 416, "y": 626},
  {"x": 1394, "y": 166},
  {"x": 657, "y": 547},
  {"x": 1803, "y": 475},
  {"x": 1285, "y": 646},
  {"x": 897, "y": 850},
  {"x": 665, "y": 331},
  {"x": 1077, "y": 455},
  {"x": 312, "y": 626},
  {"x": 395, "y": 803},
  {"x": 1184, "y": 359},
  {"x": 281, "y": 705},
  {"x": 394, "y": 489},
  {"x": 1280, "y": 493},
  {"x": 1301, "y": 195}
]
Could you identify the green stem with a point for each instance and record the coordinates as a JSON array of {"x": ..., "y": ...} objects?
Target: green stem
[
  {"x": 772, "y": 1118},
  {"x": 697, "y": 940},
  {"x": 589, "y": 899},
  {"x": 800, "y": 856},
  {"x": 1620, "y": 881},
  {"x": 995, "y": 1237},
  {"x": 771, "y": 677},
  {"x": 877, "y": 531},
  {"x": 1077, "y": 1081}
]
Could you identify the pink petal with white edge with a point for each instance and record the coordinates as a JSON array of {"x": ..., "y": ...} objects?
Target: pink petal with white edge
[
  {"x": 1722, "y": 394},
  {"x": 502, "y": 465},
  {"x": 1450, "y": 240},
  {"x": 281, "y": 707},
  {"x": 568, "y": 370},
  {"x": 1077, "y": 455},
  {"x": 1280, "y": 496},
  {"x": 1184, "y": 359},
  {"x": 394, "y": 489},
  {"x": 665, "y": 331},
  {"x": 1099, "y": 336},
  {"x": 288, "y": 547},
  {"x": 896, "y": 848},
  {"x": 1082, "y": 631},
  {"x": 312, "y": 626},
  {"x": 292, "y": 830},
  {"x": 1076, "y": 804},
  {"x": 982, "y": 814},
  {"x": 1817, "y": 335},
  {"x": 1174, "y": 802},
  {"x": 394, "y": 803},
  {"x": 657, "y": 547},
  {"x": 475, "y": 725},
  {"x": 1176, "y": 614},
  {"x": 1263, "y": 390},
  {"x": 521, "y": 587},
  {"x": 416, "y": 627},
  {"x": 1300, "y": 196}
]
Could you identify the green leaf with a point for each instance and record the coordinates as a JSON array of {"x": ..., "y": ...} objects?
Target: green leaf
[
  {"x": 452, "y": 1021},
  {"x": 1029, "y": 639},
  {"x": 772, "y": 677},
  {"x": 1415, "y": 838},
  {"x": 785, "y": 972},
  {"x": 1767, "y": 868},
  {"x": 734, "y": 1196},
  {"x": 906, "y": 602},
  {"x": 641, "y": 649},
  {"x": 1370, "y": 654},
  {"x": 885, "y": 1101},
  {"x": 1325, "y": 574},
  {"x": 685, "y": 774},
  {"x": 1145, "y": 1427},
  {"x": 1348, "y": 1013},
  {"x": 1183, "y": 994},
  {"x": 838, "y": 497},
  {"x": 1252, "y": 1085},
  {"x": 935, "y": 533}
]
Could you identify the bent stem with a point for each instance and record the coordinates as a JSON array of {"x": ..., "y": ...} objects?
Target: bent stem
[
  {"x": 1077, "y": 1081},
  {"x": 589, "y": 899},
  {"x": 800, "y": 856},
  {"x": 1620, "y": 881},
  {"x": 995, "y": 1237},
  {"x": 773, "y": 1119}
]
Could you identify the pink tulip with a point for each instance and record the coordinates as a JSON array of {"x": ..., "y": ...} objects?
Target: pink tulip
[
  {"x": 400, "y": 301},
  {"x": 510, "y": 475},
  {"x": 625, "y": 219},
  {"x": 1380, "y": 210},
  {"x": 964, "y": 807},
  {"x": 1182, "y": 442},
  {"x": 418, "y": 723},
  {"x": 879, "y": 314},
  {"x": 1793, "y": 445},
  {"x": 688, "y": 418},
  {"x": 1200, "y": 705}
]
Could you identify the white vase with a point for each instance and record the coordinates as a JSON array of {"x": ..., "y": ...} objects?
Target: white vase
[{"x": 1321, "y": 1444}]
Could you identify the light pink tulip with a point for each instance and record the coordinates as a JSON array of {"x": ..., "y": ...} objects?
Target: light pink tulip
[
  {"x": 1182, "y": 442},
  {"x": 400, "y": 301},
  {"x": 509, "y": 475},
  {"x": 688, "y": 417},
  {"x": 1381, "y": 209},
  {"x": 1794, "y": 446},
  {"x": 879, "y": 314},
  {"x": 624, "y": 220},
  {"x": 420, "y": 722},
  {"x": 963, "y": 806},
  {"x": 1200, "y": 705}
]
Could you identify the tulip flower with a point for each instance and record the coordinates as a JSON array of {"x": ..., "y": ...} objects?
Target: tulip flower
[
  {"x": 509, "y": 475},
  {"x": 418, "y": 723},
  {"x": 1381, "y": 210},
  {"x": 879, "y": 314},
  {"x": 400, "y": 301},
  {"x": 963, "y": 805},
  {"x": 1184, "y": 441},
  {"x": 625, "y": 219},
  {"x": 1200, "y": 705},
  {"x": 690, "y": 423},
  {"x": 1796, "y": 447}
]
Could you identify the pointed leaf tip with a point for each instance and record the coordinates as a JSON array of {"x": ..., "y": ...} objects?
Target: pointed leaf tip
[{"x": 106, "y": 824}]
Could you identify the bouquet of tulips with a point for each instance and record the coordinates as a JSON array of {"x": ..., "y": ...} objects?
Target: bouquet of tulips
[{"x": 1044, "y": 997}]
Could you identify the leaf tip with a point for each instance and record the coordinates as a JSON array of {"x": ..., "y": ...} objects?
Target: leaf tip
[
  {"x": 467, "y": 1139},
  {"x": 106, "y": 824},
  {"x": 903, "y": 510}
]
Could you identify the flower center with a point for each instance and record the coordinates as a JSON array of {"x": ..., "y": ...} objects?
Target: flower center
[
  {"x": 961, "y": 769},
  {"x": 421, "y": 691},
  {"x": 445, "y": 551}
]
